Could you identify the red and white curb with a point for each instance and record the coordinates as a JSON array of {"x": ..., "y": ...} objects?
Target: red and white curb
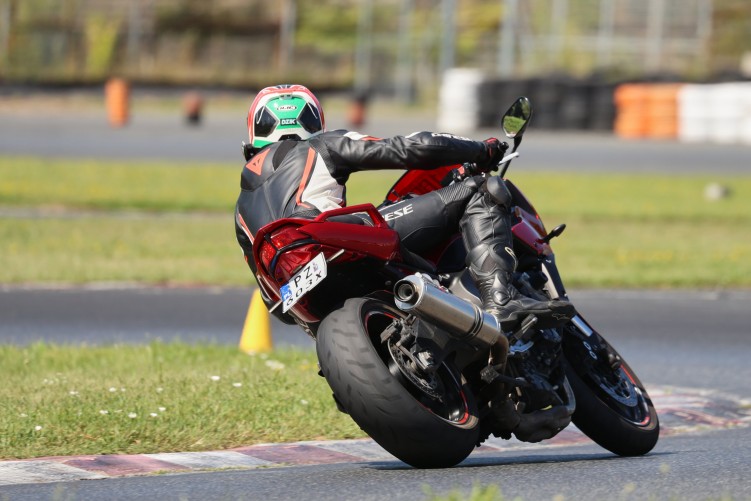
[{"x": 680, "y": 410}]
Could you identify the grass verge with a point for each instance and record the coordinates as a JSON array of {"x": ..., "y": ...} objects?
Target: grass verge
[
  {"x": 117, "y": 185},
  {"x": 202, "y": 250},
  {"x": 153, "y": 250},
  {"x": 623, "y": 230},
  {"x": 59, "y": 400},
  {"x": 175, "y": 187}
]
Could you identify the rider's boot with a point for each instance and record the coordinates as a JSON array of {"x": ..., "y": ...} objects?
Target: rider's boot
[{"x": 486, "y": 229}]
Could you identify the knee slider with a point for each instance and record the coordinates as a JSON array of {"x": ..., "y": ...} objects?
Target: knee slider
[{"x": 498, "y": 191}]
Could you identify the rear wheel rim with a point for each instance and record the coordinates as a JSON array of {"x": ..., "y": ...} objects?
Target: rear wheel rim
[{"x": 441, "y": 392}]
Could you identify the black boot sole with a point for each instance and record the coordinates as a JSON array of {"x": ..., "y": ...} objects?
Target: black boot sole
[{"x": 554, "y": 314}]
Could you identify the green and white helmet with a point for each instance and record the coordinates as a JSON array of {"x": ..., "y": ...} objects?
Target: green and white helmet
[{"x": 284, "y": 112}]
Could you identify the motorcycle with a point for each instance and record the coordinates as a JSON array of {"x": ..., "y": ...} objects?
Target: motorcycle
[{"x": 413, "y": 359}]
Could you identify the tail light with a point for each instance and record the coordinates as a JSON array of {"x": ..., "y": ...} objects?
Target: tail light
[{"x": 285, "y": 251}]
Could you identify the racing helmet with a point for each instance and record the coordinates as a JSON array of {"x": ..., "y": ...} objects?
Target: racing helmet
[{"x": 284, "y": 112}]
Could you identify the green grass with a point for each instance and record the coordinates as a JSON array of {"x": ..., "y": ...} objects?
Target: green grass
[
  {"x": 110, "y": 185},
  {"x": 647, "y": 254},
  {"x": 478, "y": 493},
  {"x": 175, "y": 187},
  {"x": 157, "y": 250},
  {"x": 493, "y": 492},
  {"x": 623, "y": 230},
  {"x": 142, "y": 185},
  {"x": 59, "y": 400},
  {"x": 202, "y": 250},
  {"x": 636, "y": 198}
]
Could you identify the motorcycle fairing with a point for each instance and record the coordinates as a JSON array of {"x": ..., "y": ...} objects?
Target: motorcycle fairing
[
  {"x": 418, "y": 182},
  {"x": 283, "y": 247}
]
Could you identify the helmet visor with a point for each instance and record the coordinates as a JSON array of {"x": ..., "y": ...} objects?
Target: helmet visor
[
  {"x": 310, "y": 119},
  {"x": 264, "y": 123}
]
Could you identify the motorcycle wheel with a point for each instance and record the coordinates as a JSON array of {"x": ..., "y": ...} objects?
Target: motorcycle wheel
[
  {"x": 427, "y": 421},
  {"x": 612, "y": 406}
]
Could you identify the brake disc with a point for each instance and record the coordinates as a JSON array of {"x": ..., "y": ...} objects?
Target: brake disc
[{"x": 429, "y": 384}]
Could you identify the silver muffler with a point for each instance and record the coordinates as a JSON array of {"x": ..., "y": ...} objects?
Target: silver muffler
[{"x": 464, "y": 320}]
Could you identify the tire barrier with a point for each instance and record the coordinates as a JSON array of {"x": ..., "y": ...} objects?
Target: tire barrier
[
  {"x": 662, "y": 110},
  {"x": 718, "y": 113},
  {"x": 646, "y": 110},
  {"x": 559, "y": 102},
  {"x": 631, "y": 110},
  {"x": 686, "y": 112},
  {"x": 459, "y": 101}
]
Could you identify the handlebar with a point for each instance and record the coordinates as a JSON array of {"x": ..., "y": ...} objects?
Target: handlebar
[{"x": 469, "y": 169}]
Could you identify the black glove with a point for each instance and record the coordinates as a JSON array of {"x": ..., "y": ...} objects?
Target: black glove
[
  {"x": 457, "y": 175},
  {"x": 496, "y": 151}
]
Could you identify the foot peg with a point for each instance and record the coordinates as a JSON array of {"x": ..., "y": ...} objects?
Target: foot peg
[
  {"x": 552, "y": 315},
  {"x": 491, "y": 375},
  {"x": 524, "y": 332}
]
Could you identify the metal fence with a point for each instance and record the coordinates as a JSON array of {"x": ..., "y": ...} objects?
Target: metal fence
[{"x": 389, "y": 45}]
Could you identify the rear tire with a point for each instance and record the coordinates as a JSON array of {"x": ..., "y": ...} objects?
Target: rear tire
[{"x": 430, "y": 426}]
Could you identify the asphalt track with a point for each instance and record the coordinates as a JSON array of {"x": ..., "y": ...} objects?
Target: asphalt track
[{"x": 150, "y": 135}]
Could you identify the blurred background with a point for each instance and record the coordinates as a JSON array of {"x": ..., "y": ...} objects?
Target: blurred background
[
  {"x": 391, "y": 46},
  {"x": 570, "y": 56}
]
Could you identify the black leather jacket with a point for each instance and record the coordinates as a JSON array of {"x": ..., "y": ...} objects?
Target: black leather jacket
[{"x": 304, "y": 178}]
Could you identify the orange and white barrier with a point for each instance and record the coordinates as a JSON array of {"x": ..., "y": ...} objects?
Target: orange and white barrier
[
  {"x": 631, "y": 111},
  {"x": 718, "y": 113},
  {"x": 646, "y": 110}
]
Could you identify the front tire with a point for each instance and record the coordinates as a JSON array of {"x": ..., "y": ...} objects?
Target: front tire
[
  {"x": 612, "y": 406},
  {"x": 427, "y": 421}
]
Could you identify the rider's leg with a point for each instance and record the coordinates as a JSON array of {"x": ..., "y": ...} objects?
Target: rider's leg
[
  {"x": 486, "y": 229},
  {"x": 427, "y": 220}
]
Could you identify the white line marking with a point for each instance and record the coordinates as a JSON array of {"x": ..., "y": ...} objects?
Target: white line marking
[
  {"x": 218, "y": 459},
  {"x": 42, "y": 471}
]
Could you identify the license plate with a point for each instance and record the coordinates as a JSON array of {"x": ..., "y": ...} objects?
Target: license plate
[{"x": 303, "y": 281}]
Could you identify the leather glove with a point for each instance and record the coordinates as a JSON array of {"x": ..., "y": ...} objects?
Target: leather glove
[{"x": 496, "y": 149}]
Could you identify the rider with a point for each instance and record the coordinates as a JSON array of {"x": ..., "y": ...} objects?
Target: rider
[{"x": 295, "y": 168}]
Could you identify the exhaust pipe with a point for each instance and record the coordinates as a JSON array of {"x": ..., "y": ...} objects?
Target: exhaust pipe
[{"x": 420, "y": 296}]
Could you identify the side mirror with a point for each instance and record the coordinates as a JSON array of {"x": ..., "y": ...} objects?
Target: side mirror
[
  {"x": 516, "y": 118},
  {"x": 514, "y": 122}
]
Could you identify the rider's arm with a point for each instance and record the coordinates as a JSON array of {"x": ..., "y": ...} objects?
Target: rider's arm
[{"x": 422, "y": 150}]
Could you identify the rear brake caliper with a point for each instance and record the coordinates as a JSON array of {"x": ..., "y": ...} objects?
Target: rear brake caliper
[{"x": 410, "y": 360}]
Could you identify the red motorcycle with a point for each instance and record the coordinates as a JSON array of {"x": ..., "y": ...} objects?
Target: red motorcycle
[{"x": 410, "y": 355}]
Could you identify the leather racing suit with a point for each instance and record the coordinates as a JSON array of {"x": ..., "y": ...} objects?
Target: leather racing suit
[{"x": 304, "y": 178}]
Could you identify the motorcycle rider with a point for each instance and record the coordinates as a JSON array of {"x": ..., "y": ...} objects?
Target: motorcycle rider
[{"x": 296, "y": 168}]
